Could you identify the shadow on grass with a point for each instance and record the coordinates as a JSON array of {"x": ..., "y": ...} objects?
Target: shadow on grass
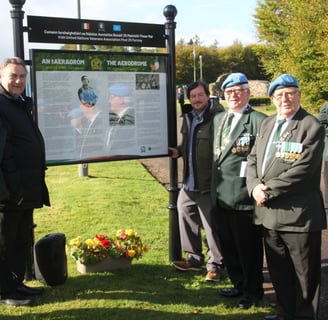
[
  {"x": 129, "y": 314},
  {"x": 142, "y": 292}
]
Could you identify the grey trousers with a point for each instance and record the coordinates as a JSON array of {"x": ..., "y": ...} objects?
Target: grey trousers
[{"x": 196, "y": 212}]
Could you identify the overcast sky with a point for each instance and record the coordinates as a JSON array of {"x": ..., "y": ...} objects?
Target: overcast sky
[{"x": 221, "y": 20}]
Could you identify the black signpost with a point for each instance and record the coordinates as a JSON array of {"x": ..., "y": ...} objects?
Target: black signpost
[
  {"x": 174, "y": 246},
  {"x": 113, "y": 33},
  {"x": 17, "y": 14}
]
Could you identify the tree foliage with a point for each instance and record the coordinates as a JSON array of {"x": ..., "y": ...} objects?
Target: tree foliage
[
  {"x": 294, "y": 34},
  {"x": 216, "y": 61}
]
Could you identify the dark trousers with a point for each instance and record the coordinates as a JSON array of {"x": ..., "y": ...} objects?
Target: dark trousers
[
  {"x": 294, "y": 262},
  {"x": 15, "y": 241},
  {"x": 242, "y": 248},
  {"x": 324, "y": 183}
]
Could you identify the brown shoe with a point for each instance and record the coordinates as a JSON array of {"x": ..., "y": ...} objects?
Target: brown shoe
[
  {"x": 184, "y": 265},
  {"x": 213, "y": 276}
]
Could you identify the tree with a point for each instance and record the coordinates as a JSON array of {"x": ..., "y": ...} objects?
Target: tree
[
  {"x": 294, "y": 36},
  {"x": 237, "y": 58}
]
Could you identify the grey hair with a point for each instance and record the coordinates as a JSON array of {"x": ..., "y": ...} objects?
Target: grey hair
[{"x": 13, "y": 60}]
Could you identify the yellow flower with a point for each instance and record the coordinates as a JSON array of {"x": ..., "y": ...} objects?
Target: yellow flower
[
  {"x": 89, "y": 242},
  {"x": 130, "y": 233},
  {"x": 131, "y": 253},
  {"x": 76, "y": 241}
]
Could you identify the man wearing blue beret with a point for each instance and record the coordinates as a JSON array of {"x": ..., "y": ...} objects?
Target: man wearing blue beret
[
  {"x": 120, "y": 100},
  {"x": 94, "y": 126},
  {"x": 234, "y": 135},
  {"x": 283, "y": 177},
  {"x": 121, "y": 117}
]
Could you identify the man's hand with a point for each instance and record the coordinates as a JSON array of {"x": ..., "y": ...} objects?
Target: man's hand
[
  {"x": 174, "y": 152},
  {"x": 260, "y": 195}
]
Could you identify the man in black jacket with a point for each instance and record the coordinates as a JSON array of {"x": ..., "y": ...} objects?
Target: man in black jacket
[{"x": 23, "y": 169}]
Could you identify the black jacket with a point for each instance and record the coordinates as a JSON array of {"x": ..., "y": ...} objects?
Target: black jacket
[{"x": 23, "y": 162}]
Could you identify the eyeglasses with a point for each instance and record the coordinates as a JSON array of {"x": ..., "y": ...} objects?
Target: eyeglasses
[
  {"x": 288, "y": 95},
  {"x": 87, "y": 104},
  {"x": 229, "y": 92}
]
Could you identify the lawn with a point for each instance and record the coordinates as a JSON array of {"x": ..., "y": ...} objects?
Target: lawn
[{"x": 116, "y": 195}]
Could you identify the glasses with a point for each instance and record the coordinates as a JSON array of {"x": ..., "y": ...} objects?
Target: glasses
[
  {"x": 229, "y": 92},
  {"x": 288, "y": 95},
  {"x": 87, "y": 105}
]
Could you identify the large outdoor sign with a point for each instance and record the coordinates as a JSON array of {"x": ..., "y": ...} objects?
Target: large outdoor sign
[
  {"x": 99, "y": 106},
  {"x": 81, "y": 31}
]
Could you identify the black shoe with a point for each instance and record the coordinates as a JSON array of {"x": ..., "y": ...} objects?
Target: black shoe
[
  {"x": 230, "y": 292},
  {"x": 246, "y": 303},
  {"x": 272, "y": 317},
  {"x": 15, "y": 299},
  {"x": 29, "y": 291}
]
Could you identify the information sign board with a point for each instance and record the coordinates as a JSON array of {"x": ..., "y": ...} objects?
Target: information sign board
[{"x": 100, "y": 106}]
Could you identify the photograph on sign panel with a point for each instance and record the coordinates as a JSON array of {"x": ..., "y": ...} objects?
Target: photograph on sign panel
[{"x": 100, "y": 106}]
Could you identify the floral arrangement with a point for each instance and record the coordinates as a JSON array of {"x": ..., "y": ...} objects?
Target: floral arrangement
[{"x": 126, "y": 243}]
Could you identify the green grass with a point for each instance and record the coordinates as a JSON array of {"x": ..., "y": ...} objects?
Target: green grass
[{"x": 121, "y": 195}]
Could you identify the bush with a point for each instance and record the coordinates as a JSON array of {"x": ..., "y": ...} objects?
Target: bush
[{"x": 259, "y": 101}]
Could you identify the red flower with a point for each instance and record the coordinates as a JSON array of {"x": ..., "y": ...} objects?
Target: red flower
[
  {"x": 101, "y": 237},
  {"x": 105, "y": 243}
]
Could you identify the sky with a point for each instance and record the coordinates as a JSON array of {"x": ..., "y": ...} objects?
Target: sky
[{"x": 222, "y": 20}]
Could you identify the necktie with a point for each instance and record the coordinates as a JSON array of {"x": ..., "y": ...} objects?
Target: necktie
[
  {"x": 275, "y": 138},
  {"x": 113, "y": 119},
  {"x": 226, "y": 129}
]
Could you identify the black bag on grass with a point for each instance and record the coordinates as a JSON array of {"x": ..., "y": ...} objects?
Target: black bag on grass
[{"x": 50, "y": 261}]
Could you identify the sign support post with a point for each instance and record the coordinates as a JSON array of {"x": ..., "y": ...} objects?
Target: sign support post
[
  {"x": 174, "y": 236},
  {"x": 17, "y": 14}
]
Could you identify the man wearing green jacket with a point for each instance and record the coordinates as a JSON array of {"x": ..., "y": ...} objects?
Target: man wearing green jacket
[
  {"x": 194, "y": 201},
  {"x": 234, "y": 135}
]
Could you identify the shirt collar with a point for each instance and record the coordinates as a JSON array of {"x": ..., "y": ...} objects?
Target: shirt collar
[
  {"x": 290, "y": 117},
  {"x": 200, "y": 115},
  {"x": 239, "y": 111}
]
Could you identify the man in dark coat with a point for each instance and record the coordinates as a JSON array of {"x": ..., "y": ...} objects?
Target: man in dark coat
[
  {"x": 23, "y": 169},
  {"x": 285, "y": 185}
]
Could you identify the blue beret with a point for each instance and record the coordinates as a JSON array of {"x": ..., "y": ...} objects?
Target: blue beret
[
  {"x": 234, "y": 79},
  {"x": 120, "y": 90},
  {"x": 89, "y": 96},
  {"x": 285, "y": 80}
]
